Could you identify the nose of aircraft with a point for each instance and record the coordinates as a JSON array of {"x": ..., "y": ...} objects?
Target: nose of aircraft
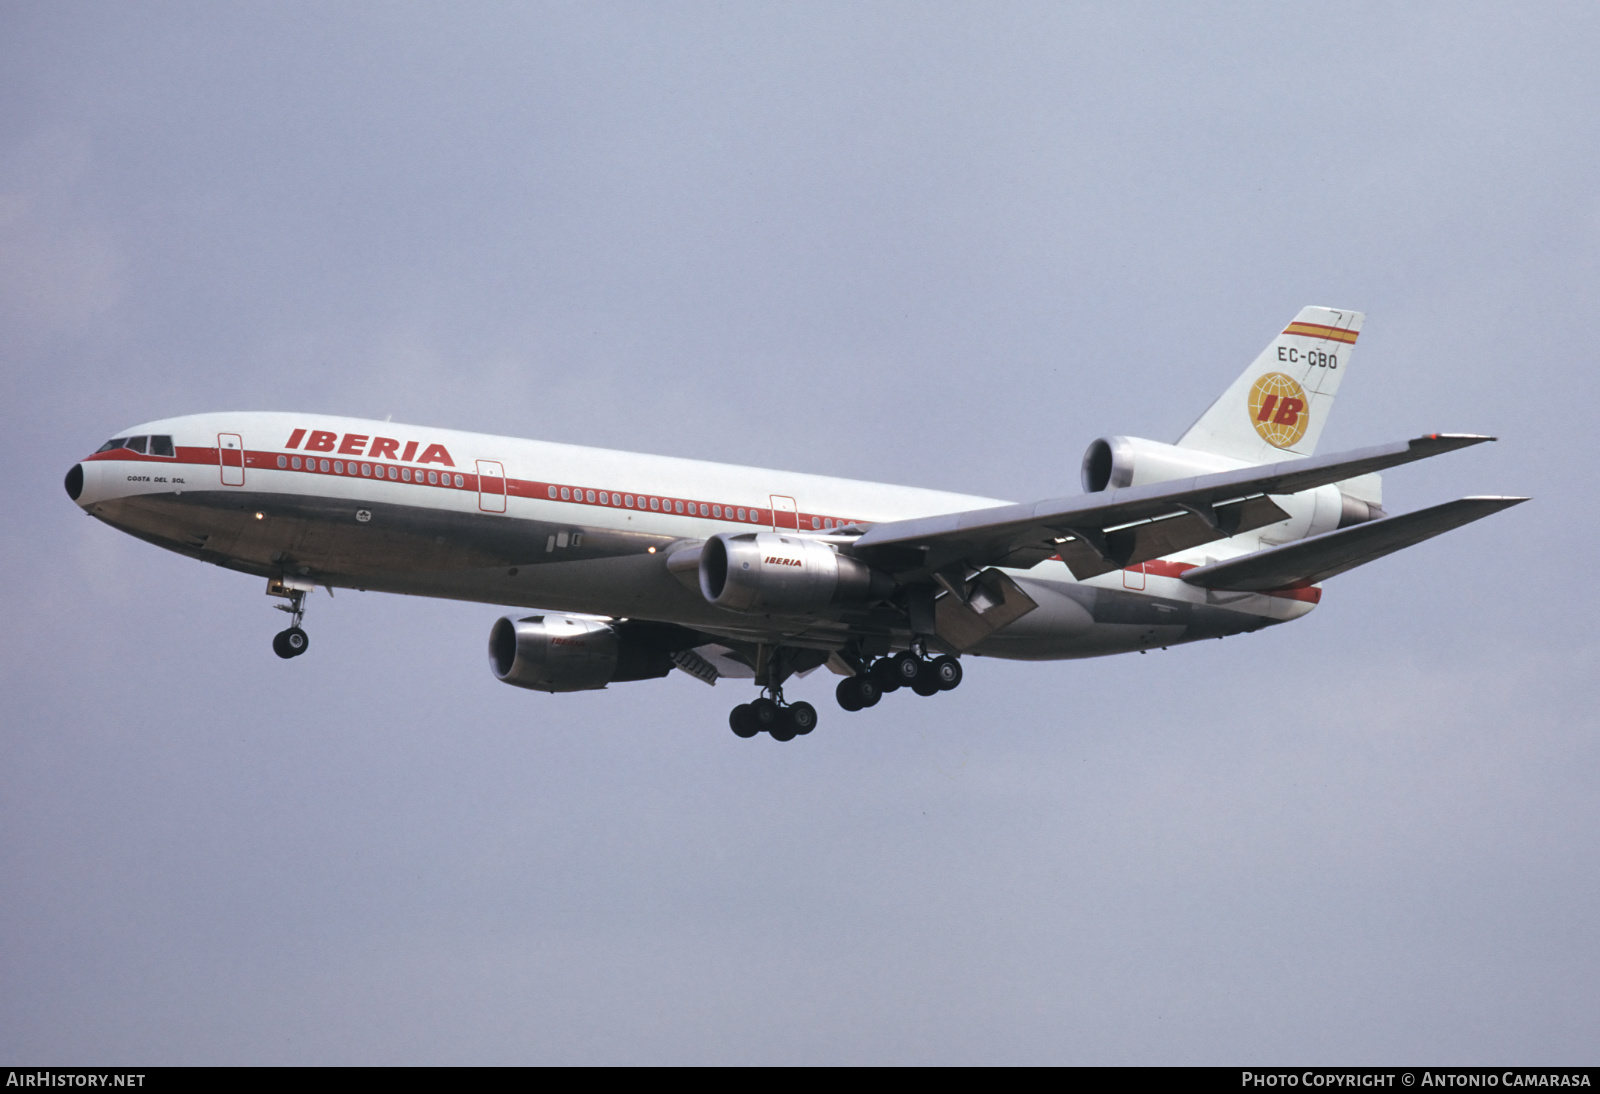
[{"x": 75, "y": 481}]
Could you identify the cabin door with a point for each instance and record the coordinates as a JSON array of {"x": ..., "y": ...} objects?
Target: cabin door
[
  {"x": 230, "y": 454},
  {"x": 785, "y": 514},
  {"x": 491, "y": 486}
]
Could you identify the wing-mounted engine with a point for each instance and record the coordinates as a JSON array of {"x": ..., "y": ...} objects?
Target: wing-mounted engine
[
  {"x": 773, "y": 573},
  {"x": 567, "y": 653}
]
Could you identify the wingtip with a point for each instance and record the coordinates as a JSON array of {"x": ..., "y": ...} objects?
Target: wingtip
[{"x": 1464, "y": 438}]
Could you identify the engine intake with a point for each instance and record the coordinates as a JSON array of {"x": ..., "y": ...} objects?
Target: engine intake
[
  {"x": 562, "y": 653},
  {"x": 1114, "y": 462},
  {"x": 769, "y": 572}
]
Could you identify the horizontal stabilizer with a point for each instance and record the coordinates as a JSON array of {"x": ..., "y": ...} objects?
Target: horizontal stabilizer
[{"x": 1308, "y": 561}]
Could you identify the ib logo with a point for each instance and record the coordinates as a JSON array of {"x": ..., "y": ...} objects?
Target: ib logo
[{"x": 1278, "y": 409}]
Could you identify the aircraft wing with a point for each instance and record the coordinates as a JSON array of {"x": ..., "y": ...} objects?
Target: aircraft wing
[
  {"x": 1308, "y": 561},
  {"x": 1098, "y": 533}
]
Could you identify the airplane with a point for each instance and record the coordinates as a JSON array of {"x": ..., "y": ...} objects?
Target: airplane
[{"x": 641, "y": 565}]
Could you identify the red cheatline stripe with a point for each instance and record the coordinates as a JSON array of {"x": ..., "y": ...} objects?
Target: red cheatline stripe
[
  {"x": 1321, "y": 330},
  {"x": 522, "y": 488},
  {"x": 1161, "y": 567}
]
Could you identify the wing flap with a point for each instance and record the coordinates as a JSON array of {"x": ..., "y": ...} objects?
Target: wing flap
[
  {"x": 1164, "y": 536},
  {"x": 1308, "y": 561}
]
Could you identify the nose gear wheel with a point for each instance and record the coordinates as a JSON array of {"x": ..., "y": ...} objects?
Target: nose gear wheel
[{"x": 294, "y": 641}]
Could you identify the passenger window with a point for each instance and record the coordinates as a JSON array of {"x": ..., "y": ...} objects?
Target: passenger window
[
  {"x": 161, "y": 445},
  {"x": 111, "y": 445},
  {"x": 138, "y": 444},
  {"x": 283, "y": 461},
  {"x": 552, "y": 491}
]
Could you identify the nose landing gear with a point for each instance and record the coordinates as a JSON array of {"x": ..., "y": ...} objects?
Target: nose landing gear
[
  {"x": 294, "y": 641},
  {"x": 290, "y": 643}
]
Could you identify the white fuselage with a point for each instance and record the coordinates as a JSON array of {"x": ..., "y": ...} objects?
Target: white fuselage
[{"x": 434, "y": 512}]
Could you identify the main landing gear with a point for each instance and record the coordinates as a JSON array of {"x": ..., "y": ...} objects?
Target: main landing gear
[
  {"x": 902, "y": 670},
  {"x": 294, "y": 641},
  {"x": 769, "y": 714},
  {"x": 786, "y": 721}
]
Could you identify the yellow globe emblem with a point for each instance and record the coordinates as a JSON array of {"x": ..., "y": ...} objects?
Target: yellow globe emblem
[{"x": 1278, "y": 409}]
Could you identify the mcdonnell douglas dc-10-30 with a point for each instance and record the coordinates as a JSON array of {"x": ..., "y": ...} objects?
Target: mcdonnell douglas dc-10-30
[{"x": 644, "y": 564}]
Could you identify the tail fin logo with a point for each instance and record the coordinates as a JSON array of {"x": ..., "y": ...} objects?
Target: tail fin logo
[{"x": 1278, "y": 409}]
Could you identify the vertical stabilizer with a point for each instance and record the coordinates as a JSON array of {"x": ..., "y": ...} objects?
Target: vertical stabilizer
[{"x": 1281, "y": 402}]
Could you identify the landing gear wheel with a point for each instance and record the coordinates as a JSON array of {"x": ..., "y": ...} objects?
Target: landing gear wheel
[
  {"x": 765, "y": 714},
  {"x": 801, "y": 718},
  {"x": 290, "y": 643},
  {"x": 884, "y": 675},
  {"x": 947, "y": 670},
  {"x": 849, "y": 693},
  {"x": 741, "y": 721},
  {"x": 783, "y": 731},
  {"x": 927, "y": 683},
  {"x": 868, "y": 689},
  {"x": 907, "y": 667}
]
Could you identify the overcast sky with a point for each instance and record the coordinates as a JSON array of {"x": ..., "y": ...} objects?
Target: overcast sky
[{"x": 942, "y": 245}]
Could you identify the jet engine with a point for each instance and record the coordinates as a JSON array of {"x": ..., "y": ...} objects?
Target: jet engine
[
  {"x": 565, "y": 653},
  {"x": 1114, "y": 462},
  {"x": 770, "y": 572}
]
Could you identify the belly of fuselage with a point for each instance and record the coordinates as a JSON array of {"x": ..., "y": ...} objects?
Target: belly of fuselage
[{"x": 500, "y": 559}]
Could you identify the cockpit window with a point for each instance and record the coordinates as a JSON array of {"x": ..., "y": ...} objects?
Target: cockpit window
[
  {"x": 161, "y": 445},
  {"x": 112, "y": 445},
  {"x": 137, "y": 444}
]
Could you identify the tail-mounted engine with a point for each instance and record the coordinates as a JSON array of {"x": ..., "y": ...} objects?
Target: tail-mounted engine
[
  {"x": 1114, "y": 462},
  {"x": 769, "y": 572},
  {"x": 563, "y": 653}
]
